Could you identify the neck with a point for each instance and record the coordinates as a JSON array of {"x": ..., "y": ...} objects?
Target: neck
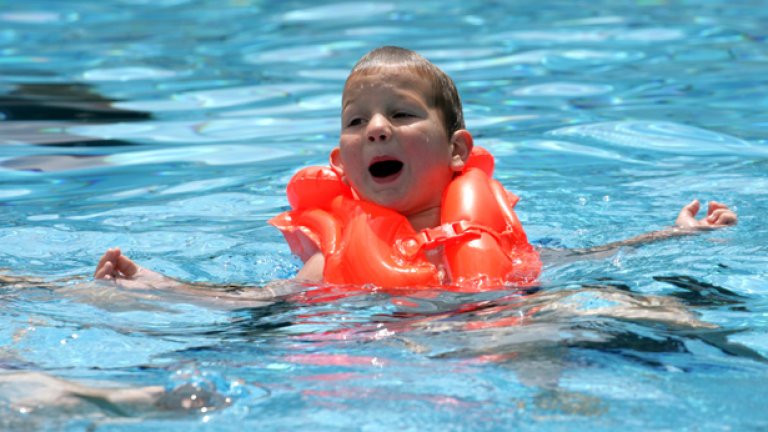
[{"x": 428, "y": 218}]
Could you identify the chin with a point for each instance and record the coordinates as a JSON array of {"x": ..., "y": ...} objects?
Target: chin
[
  {"x": 389, "y": 203},
  {"x": 390, "y": 200}
]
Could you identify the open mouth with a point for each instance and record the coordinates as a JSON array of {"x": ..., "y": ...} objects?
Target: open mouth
[{"x": 385, "y": 169}]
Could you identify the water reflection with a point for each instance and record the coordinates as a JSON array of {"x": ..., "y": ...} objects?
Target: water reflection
[
  {"x": 43, "y": 113},
  {"x": 62, "y": 102},
  {"x": 341, "y": 345},
  {"x": 177, "y": 145}
]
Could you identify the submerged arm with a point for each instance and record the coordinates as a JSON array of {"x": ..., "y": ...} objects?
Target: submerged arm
[
  {"x": 116, "y": 267},
  {"x": 718, "y": 216}
]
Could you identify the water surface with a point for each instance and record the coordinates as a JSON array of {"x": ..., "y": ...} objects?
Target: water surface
[{"x": 170, "y": 128}]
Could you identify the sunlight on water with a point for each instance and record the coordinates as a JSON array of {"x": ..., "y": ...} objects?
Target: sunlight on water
[
  {"x": 662, "y": 137},
  {"x": 340, "y": 11},
  {"x": 128, "y": 74},
  {"x": 170, "y": 128}
]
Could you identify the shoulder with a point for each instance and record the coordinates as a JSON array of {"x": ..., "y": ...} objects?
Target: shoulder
[{"x": 312, "y": 271}]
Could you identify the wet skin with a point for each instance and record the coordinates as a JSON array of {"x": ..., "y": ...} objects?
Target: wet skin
[{"x": 394, "y": 149}]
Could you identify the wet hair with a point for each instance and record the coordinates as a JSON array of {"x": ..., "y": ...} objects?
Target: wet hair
[{"x": 445, "y": 97}]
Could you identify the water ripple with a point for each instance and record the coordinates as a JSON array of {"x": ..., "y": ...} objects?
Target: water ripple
[
  {"x": 214, "y": 131},
  {"x": 568, "y": 148},
  {"x": 330, "y": 101},
  {"x": 651, "y": 34},
  {"x": 338, "y": 75},
  {"x": 156, "y": 3},
  {"x": 235, "y": 95},
  {"x": 666, "y": 137},
  {"x": 7, "y": 36},
  {"x": 12, "y": 193},
  {"x": 339, "y": 11},
  {"x": 566, "y": 89},
  {"x": 218, "y": 155},
  {"x": 302, "y": 53},
  {"x": 31, "y": 17},
  {"x": 128, "y": 74},
  {"x": 548, "y": 57},
  {"x": 216, "y": 98}
]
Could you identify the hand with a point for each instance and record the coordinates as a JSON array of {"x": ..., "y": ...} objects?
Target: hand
[
  {"x": 718, "y": 215},
  {"x": 113, "y": 265}
]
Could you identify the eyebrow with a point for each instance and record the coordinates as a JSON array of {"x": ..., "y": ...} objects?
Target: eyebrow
[{"x": 399, "y": 93}]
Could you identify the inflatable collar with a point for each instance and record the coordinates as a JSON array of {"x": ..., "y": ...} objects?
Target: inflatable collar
[{"x": 483, "y": 242}]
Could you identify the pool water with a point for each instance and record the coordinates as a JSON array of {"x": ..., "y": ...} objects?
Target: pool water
[{"x": 171, "y": 127}]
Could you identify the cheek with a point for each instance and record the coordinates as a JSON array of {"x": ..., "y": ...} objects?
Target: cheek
[
  {"x": 353, "y": 166},
  {"x": 348, "y": 152},
  {"x": 432, "y": 156},
  {"x": 351, "y": 159}
]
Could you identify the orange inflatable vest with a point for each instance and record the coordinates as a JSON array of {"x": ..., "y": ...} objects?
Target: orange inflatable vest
[{"x": 484, "y": 244}]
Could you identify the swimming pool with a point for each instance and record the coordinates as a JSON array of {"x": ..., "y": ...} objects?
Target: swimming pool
[{"x": 170, "y": 128}]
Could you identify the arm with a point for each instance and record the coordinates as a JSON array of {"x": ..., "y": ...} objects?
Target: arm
[
  {"x": 718, "y": 216},
  {"x": 312, "y": 272},
  {"x": 116, "y": 267}
]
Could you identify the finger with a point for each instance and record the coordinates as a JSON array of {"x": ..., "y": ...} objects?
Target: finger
[
  {"x": 687, "y": 216},
  {"x": 712, "y": 215},
  {"x": 714, "y": 206},
  {"x": 724, "y": 217},
  {"x": 126, "y": 266},
  {"x": 729, "y": 218},
  {"x": 105, "y": 271},
  {"x": 716, "y": 214},
  {"x": 104, "y": 259},
  {"x": 692, "y": 208}
]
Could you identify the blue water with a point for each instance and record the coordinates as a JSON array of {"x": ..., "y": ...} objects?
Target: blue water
[{"x": 170, "y": 128}]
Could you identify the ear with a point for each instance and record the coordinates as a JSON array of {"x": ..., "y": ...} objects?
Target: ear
[
  {"x": 336, "y": 164},
  {"x": 461, "y": 147}
]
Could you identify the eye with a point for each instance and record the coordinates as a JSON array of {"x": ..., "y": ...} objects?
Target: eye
[
  {"x": 357, "y": 121},
  {"x": 402, "y": 114}
]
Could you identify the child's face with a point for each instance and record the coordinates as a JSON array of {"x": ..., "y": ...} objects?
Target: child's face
[{"x": 394, "y": 149}]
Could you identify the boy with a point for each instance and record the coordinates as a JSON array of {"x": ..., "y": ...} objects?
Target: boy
[{"x": 403, "y": 149}]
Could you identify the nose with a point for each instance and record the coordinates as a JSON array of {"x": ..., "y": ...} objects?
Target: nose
[{"x": 379, "y": 129}]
